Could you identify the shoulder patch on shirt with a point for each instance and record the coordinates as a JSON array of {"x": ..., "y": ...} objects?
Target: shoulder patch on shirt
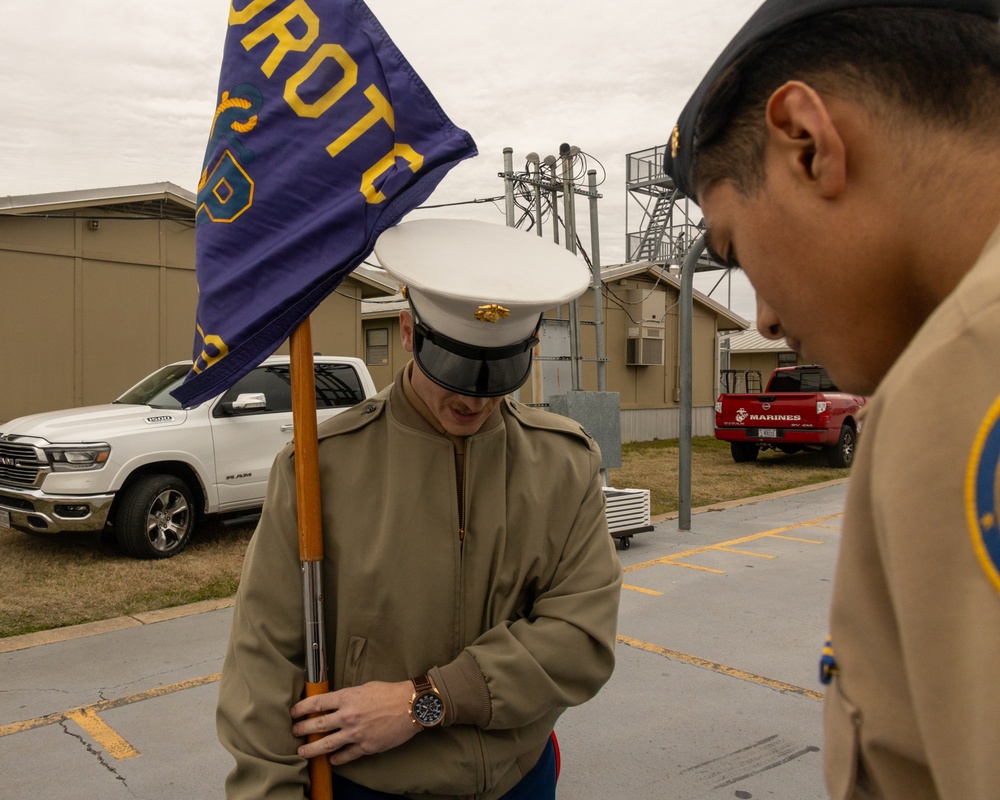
[{"x": 982, "y": 492}]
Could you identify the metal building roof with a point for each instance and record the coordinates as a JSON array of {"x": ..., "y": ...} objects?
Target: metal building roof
[
  {"x": 751, "y": 341},
  {"x": 91, "y": 198},
  {"x": 729, "y": 320}
]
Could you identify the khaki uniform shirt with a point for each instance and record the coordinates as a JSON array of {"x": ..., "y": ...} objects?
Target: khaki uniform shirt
[
  {"x": 512, "y": 606},
  {"x": 914, "y": 712}
]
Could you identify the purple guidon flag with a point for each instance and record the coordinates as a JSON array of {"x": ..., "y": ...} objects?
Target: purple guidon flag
[{"x": 324, "y": 136}]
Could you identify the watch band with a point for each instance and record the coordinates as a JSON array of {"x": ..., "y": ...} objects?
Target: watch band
[{"x": 422, "y": 683}]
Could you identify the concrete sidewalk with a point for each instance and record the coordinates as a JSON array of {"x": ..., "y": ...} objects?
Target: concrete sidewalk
[{"x": 715, "y": 694}]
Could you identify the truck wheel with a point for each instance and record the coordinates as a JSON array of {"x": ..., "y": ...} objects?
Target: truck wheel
[
  {"x": 841, "y": 455},
  {"x": 744, "y": 451},
  {"x": 156, "y": 517}
]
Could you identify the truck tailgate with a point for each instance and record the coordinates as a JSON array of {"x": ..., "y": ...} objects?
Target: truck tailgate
[{"x": 766, "y": 411}]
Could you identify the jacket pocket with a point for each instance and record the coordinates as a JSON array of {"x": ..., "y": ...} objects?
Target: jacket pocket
[
  {"x": 841, "y": 734},
  {"x": 354, "y": 661}
]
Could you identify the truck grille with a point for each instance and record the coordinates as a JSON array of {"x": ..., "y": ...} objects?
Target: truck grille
[{"x": 19, "y": 465}]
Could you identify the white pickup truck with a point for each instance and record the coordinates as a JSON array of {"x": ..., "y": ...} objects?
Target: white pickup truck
[{"x": 148, "y": 469}]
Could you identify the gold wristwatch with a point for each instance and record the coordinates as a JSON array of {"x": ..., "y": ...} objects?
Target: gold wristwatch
[{"x": 426, "y": 704}]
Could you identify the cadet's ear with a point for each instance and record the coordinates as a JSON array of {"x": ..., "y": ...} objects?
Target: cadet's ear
[
  {"x": 807, "y": 139},
  {"x": 406, "y": 330}
]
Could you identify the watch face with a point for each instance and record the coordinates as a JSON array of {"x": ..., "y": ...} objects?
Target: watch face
[{"x": 428, "y": 709}]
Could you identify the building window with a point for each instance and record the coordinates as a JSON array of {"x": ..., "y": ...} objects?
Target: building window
[
  {"x": 787, "y": 359},
  {"x": 377, "y": 347}
]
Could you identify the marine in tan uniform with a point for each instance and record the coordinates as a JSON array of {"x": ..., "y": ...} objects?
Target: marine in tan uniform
[
  {"x": 847, "y": 156},
  {"x": 471, "y": 586}
]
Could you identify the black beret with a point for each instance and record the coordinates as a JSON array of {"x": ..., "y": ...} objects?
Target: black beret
[{"x": 770, "y": 17}]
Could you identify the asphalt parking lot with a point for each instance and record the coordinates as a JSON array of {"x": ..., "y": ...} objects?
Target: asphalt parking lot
[{"x": 715, "y": 694}]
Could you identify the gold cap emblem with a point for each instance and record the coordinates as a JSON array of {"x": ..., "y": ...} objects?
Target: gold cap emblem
[
  {"x": 675, "y": 141},
  {"x": 491, "y": 313}
]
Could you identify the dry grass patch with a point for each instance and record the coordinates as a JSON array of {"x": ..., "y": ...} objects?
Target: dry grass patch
[
  {"x": 53, "y": 582},
  {"x": 715, "y": 477}
]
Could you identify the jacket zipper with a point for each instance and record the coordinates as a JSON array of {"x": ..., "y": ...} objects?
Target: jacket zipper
[
  {"x": 459, "y": 610},
  {"x": 461, "y": 504}
]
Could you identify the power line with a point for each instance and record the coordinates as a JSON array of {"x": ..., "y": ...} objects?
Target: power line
[{"x": 463, "y": 202}]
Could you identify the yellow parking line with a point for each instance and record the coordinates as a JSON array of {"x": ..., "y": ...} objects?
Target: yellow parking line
[
  {"x": 722, "y": 669},
  {"x": 743, "y": 552},
  {"x": 797, "y": 539},
  {"x": 640, "y": 589},
  {"x": 87, "y": 715},
  {"x": 106, "y": 736},
  {"x": 689, "y": 566},
  {"x": 672, "y": 559}
]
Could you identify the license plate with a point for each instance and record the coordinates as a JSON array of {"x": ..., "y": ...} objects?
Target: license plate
[
  {"x": 4, "y": 519},
  {"x": 767, "y": 433}
]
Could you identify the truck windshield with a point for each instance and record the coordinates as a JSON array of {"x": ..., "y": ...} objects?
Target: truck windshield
[{"x": 155, "y": 390}]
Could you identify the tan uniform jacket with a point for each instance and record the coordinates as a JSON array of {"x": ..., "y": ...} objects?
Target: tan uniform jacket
[
  {"x": 523, "y": 602},
  {"x": 915, "y": 624}
]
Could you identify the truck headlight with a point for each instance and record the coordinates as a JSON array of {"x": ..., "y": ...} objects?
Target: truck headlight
[{"x": 77, "y": 458}]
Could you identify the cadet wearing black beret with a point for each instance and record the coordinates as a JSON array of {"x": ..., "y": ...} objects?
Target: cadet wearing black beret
[
  {"x": 771, "y": 17},
  {"x": 846, "y": 155}
]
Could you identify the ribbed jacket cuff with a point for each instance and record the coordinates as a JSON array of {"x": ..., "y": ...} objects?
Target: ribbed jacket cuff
[{"x": 466, "y": 696}]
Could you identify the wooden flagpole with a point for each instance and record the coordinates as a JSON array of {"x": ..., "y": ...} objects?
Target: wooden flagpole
[{"x": 310, "y": 519}]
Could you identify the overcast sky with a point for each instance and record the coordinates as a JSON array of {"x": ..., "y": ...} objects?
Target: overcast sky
[{"x": 103, "y": 93}]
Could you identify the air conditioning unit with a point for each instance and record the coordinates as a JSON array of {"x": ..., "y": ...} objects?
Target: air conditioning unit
[
  {"x": 647, "y": 306},
  {"x": 627, "y": 511},
  {"x": 644, "y": 346}
]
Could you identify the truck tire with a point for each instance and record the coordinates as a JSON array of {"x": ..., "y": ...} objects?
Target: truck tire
[
  {"x": 744, "y": 452},
  {"x": 155, "y": 518},
  {"x": 841, "y": 455}
]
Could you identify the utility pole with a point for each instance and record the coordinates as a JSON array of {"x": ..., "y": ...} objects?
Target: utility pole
[
  {"x": 569, "y": 219},
  {"x": 686, "y": 409},
  {"x": 546, "y": 179},
  {"x": 508, "y": 168},
  {"x": 598, "y": 286},
  {"x": 537, "y": 191}
]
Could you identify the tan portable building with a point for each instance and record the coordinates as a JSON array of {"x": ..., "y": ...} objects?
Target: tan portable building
[{"x": 99, "y": 290}]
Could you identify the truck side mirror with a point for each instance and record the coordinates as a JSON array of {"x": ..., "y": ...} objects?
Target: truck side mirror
[{"x": 250, "y": 401}]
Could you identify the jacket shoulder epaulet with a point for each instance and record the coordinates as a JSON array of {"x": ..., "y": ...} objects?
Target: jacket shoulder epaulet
[
  {"x": 354, "y": 418},
  {"x": 351, "y": 419},
  {"x": 548, "y": 421}
]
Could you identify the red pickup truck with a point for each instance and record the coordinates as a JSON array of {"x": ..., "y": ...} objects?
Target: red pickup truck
[{"x": 800, "y": 409}]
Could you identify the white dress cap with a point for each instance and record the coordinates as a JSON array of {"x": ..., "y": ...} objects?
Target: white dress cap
[{"x": 475, "y": 282}]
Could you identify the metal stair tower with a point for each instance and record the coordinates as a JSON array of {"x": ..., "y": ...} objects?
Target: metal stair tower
[{"x": 667, "y": 223}]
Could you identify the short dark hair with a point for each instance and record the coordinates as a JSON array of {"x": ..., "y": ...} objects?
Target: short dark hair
[{"x": 939, "y": 67}]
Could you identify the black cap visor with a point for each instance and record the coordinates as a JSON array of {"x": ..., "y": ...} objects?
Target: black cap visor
[{"x": 471, "y": 371}]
